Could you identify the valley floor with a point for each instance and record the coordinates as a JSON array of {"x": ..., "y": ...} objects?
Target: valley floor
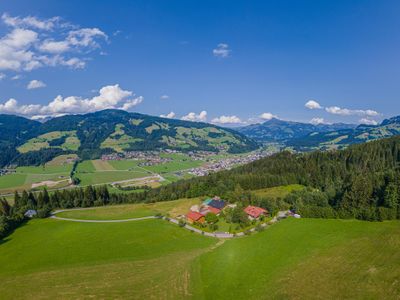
[{"x": 152, "y": 259}]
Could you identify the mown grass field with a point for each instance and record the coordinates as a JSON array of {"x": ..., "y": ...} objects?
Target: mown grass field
[
  {"x": 57, "y": 170},
  {"x": 152, "y": 259},
  {"x": 109, "y": 177},
  {"x": 279, "y": 191},
  {"x": 127, "y": 211},
  {"x": 50, "y": 259},
  {"x": 101, "y": 172},
  {"x": 305, "y": 259}
]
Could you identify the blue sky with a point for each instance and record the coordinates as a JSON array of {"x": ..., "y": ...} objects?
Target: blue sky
[{"x": 237, "y": 59}]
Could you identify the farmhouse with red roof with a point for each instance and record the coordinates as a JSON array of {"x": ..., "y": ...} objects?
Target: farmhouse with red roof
[
  {"x": 193, "y": 217},
  {"x": 255, "y": 212}
]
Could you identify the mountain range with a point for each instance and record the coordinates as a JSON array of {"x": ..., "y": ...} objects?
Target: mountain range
[
  {"x": 307, "y": 137},
  {"x": 342, "y": 138},
  {"x": 29, "y": 142},
  {"x": 276, "y": 130}
]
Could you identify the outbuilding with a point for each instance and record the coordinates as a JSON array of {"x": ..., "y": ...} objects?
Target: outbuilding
[{"x": 30, "y": 213}]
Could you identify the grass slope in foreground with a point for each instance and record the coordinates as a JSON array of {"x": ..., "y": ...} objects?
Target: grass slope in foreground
[
  {"x": 61, "y": 259},
  {"x": 294, "y": 259},
  {"x": 305, "y": 259}
]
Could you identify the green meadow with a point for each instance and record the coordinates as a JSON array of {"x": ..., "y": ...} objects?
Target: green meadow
[
  {"x": 23, "y": 178},
  {"x": 305, "y": 259},
  {"x": 71, "y": 141},
  {"x": 12, "y": 180},
  {"x": 279, "y": 191},
  {"x": 60, "y": 259},
  {"x": 101, "y": 172},
  {"x": 152, "y": 259},
  {"x": 109, "y": 176},
  {"x": 127, "y": 211}
]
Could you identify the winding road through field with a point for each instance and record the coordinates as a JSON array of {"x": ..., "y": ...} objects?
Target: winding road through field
[{"x": 220, "y": 235}]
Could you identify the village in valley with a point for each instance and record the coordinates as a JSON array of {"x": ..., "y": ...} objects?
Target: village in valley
[{"x": 212, "y": 162}]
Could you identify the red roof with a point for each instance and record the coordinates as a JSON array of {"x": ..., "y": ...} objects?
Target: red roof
[
  {"x": 214, "y": 210},
  {"x": 195, "y": 216},
  {"x": 254, "y": 211}
]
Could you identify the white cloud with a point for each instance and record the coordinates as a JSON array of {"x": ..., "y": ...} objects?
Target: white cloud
[
  {"x": 54, "y": 46},
  {"x": 350, "y": 112},
  {"x": 109, "y": 97},
  {"x": 32, "y": 43},
  {"x": 201, "y": 117},
  {"x": 267, "y": 116},
  {"x": 227, "y": 120},
  {"x": 222, "y": 50},
  {"x": 16, "y": 77},
  {"x": 2, "y": 76},
  {"x": 164, "y": 97},
  {"x": 368, "y": 121},
  {"x": 170, "y": 115},
  {"x": 129, "y": 104},
  {"x": 317, "y": 121},
  {"x": 30, "y": 22},
  {"x": 85, "y": 37},
  {"x": 35, "y": 84},
  {"x": 312, "y": 104}
]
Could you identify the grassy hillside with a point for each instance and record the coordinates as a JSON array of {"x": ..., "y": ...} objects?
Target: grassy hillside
[
  {"x": 65, "y": 140},
  {"x": 305, "y": 259},
  {"x": 294, "y": 259},
  {"x": 278, "y": 191},
  {"x": 140, "y": 260},
  {"x": 120, "y": 212}
]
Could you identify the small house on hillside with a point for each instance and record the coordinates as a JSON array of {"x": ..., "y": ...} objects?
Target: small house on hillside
[
  {"x": 255, "y": 212},
  {"x": 30, "y": 213},
  {"x": 193, "y": 217}
]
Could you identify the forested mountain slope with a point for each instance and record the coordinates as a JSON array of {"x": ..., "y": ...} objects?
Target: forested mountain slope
[
  {"x": 362, "y": 181},
  {"x": 276, "y": 130},
  {"x": 339, "y": 139},
  {"x": 28, "y": 142}
]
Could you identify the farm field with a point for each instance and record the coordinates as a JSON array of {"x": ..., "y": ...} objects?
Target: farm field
[
  {"x": 53, "y": 174},
  {"x": 127, "y": 211},
  {"x": 344, "y": 258},
  {"x": 109, "y": 177},
  {"x": 101, "y": 172}
]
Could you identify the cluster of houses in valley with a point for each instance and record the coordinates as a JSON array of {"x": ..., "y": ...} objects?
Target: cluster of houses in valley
[
  {"x": 216, "y": 205},
  {"x": 227, "y": 163}
]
